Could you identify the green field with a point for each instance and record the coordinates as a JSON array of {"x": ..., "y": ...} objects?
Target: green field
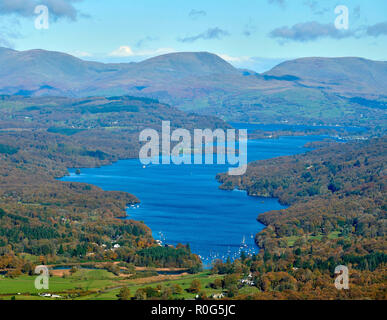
[
  {"x": 291, "y": 240},
  {"x": 88, "y": 284},
  {"x": 81, "y": 280}
]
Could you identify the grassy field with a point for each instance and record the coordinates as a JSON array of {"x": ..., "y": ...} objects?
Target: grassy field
[
  {"x": 88, "y": 284},
  {"x": 81, "y": 280},
  {"x": 291, "y": 240}
]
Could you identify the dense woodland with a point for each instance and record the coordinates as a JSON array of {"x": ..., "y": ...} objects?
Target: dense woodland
[
  {"x": 58, "y": 222},
  {"x": 337, "y": 215}
]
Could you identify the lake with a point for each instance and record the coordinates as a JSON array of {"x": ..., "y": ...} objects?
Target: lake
[{"x": 183, "y": 204}]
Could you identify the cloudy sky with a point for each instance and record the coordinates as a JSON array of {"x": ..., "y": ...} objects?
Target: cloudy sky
[{"x": 254, "y": 34}]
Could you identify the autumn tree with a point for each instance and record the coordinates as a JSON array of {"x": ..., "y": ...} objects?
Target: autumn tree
[
  {"x": 195, "y": 286},
  {"x": 124, "y": 294}
]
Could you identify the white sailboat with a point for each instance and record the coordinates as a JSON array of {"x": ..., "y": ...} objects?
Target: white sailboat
[{"x": 243, "y": 244}]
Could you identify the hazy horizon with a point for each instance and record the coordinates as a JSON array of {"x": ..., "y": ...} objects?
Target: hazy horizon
[{"x": 247, "y": 34}]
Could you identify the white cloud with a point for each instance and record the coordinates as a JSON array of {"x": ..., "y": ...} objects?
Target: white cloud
[
  {"x": 234, "y": 59},
  {"x": 123, "y": 51}
]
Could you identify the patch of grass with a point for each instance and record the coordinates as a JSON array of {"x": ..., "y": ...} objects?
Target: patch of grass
[
  {"x": 334, "y": 235},
  {"x": 184, "y": 282},
  {"x": 100, "y": 285},
  {"x": 292, "y": 239},
  {"x": 81, "y": 280}
]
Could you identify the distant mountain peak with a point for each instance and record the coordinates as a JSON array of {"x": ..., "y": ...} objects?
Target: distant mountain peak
[
  {"x": 181, "y": 78},
  {"x": 342, "y": 74},
  {"x": 189, "y": 63}
]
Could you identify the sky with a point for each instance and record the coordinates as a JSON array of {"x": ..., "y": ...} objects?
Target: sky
[{"x": 253, "y": 34}]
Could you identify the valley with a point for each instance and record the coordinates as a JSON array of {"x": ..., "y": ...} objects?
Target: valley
[{"x": 331, "y": 206}]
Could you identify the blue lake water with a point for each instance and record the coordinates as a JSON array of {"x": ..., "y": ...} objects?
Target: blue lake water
[{"x": 183, "y": 204}]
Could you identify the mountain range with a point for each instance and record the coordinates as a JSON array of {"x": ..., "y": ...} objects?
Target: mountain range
[{"x": 305, "y": 90}]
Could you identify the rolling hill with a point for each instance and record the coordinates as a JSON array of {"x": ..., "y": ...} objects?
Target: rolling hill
[
  {"x": 349, "y": 91},
  {"x": 342, "y": 75}
]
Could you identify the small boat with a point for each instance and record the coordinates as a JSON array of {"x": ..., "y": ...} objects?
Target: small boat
[{"x": 243, "y": 244}]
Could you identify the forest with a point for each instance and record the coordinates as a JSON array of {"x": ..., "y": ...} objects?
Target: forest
[{"x": 337, "y": 214}]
